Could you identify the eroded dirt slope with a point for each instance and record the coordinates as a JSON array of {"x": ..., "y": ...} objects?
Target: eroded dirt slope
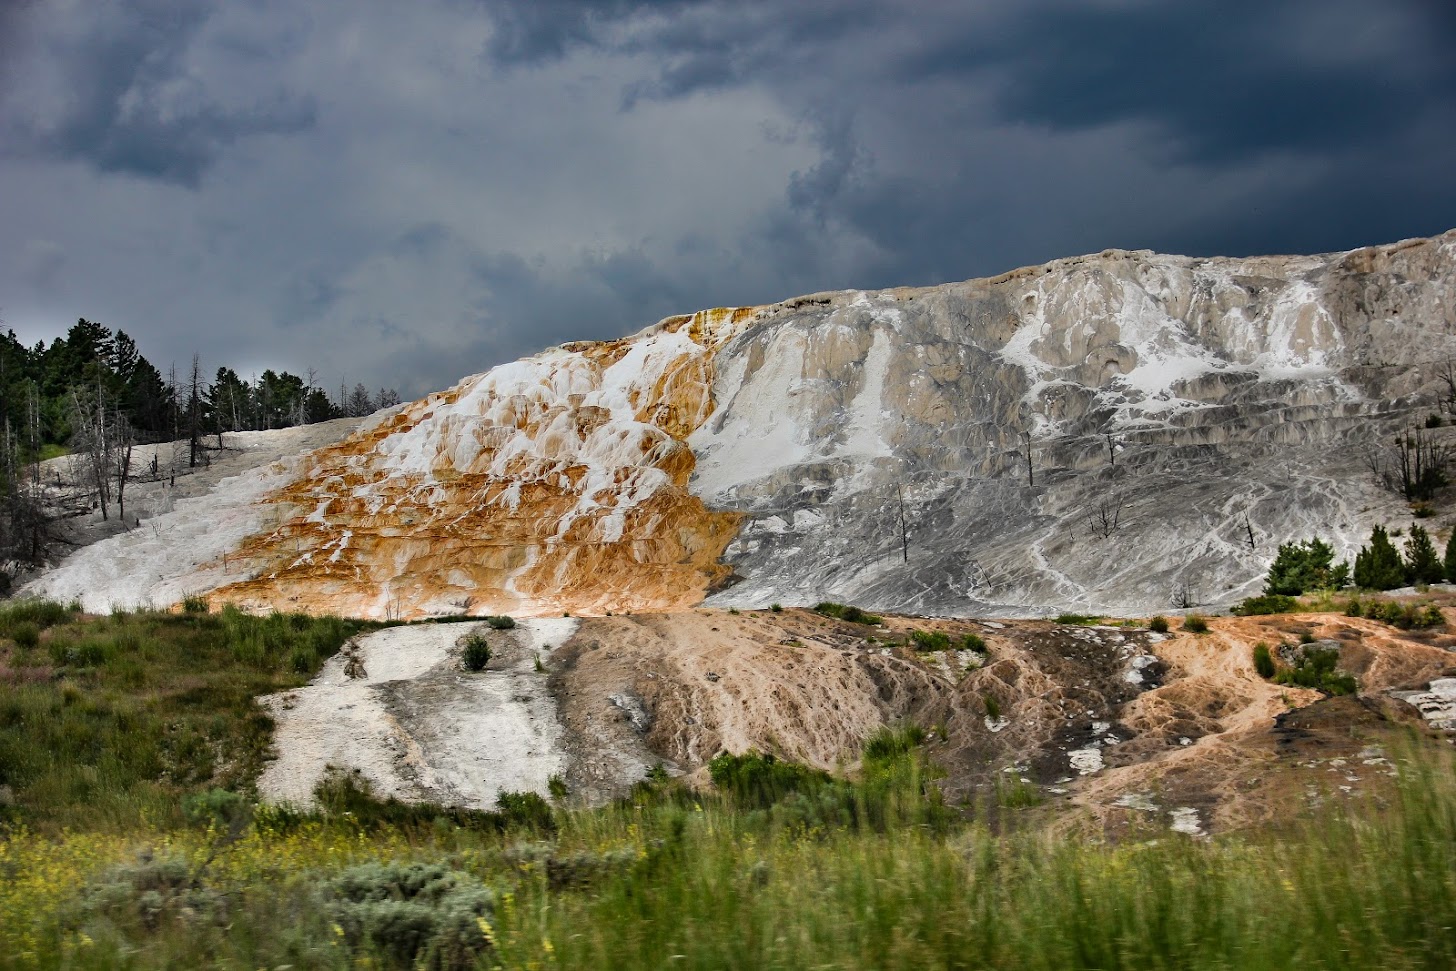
[{"x": 1111, "y": 728}]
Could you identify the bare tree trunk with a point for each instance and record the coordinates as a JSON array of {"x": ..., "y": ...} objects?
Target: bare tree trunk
[
  {"x": 1030, "y": 475},
  {"x": 194, "y": 412},
  {"x": 904, "y": 533}
]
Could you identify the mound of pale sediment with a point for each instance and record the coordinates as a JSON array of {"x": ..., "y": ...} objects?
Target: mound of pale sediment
[
  {"x": 1103, "y": 433},
  {"x": 1109, "y": 726}
]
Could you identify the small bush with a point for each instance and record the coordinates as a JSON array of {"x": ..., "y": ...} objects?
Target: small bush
[
  {"x": 195, "y": 603},
  {"x": 25, "y": 634},
  {"x": 1404, "y": 615},
  {"x": 930, "y": 640},
  {"x": 1195, "y": 624},
  {"x": 1017, "y": 793},
  {"x": 41, "y": 613},
  {"x": 416, "y": 915},
  {"x": 1305, "y": 637},
  {"x": 1263, "y": 661},
  {"x": 1158, "y": 625},
  {"x": 776, "y": 608},
  {"x": 846, "y": 612},
  {"x": 474, "y": 651},
  {"x": 1434, "y": 421},
  {"x": 1316, "y": 669},
  {"x": 526, "y": 809},
  {"x": 973, "y": 642},
  {"x": 757, "y": 780},
  {"x": 993, "y": 707},
  {"x": 1353, "y": 607},
  {"x": 501, "y": 622},
  {"x": 1077, "y": 619},
  {"x": 556, "y": 786},
  {"x": 889, "y": 744},
  {"x": 1269, "y": 603}
]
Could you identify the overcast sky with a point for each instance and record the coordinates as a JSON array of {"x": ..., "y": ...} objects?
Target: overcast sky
[{"x": 405, "y": 193}]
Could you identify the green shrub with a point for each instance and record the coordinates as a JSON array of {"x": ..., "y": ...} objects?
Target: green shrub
[
  {"x": 1269, "y": 603},
  {"x": 415, "y": 915},
  {"x": 993, "y": 707},
  {"x": 1422, "y": 563},
  {"x": 1353, "y": 607},
  {"x": 1195, "y": 624},
  {"x": 195, "y": 603},
  {"x": 1077, "y": 619},
  {"x": 40, "y": 613},
  {"x": 973, "y": 642},
  {"x": 556, "y": 786},
  {"x": 1158, "y": 624},
  {"x": 1263, "y": 661},
  {"x": 501, "y": 622},
  {"x": 1316, "y": 669},
  {"x": 888, "y": 744},
  {"x": 776, "y": 608},
  {"x": 25, "y": 634},
  {"x": 1017, "y": 793},
  {"x": 846, "y": 612},
  {"x": 1301, "y": 567},
  {"x": 1378, "y": 566},
  {"x": 757, "y": 780},
  {"x": 1406, "y": 616},
  {"x": 474, "y": 651},
  {"x": 526, "y": 809},
  {"x": 930, "y": 640}
]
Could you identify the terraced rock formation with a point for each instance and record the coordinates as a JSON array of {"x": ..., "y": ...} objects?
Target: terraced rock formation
[{"x": 1110, "y": 433}]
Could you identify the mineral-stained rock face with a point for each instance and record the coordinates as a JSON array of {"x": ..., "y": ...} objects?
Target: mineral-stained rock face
[
  {"x": 1118, "y": 432},
  {"x": 554, "y": 483}
]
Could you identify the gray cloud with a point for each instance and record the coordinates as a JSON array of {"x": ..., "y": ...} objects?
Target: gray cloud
[{"x": 404, "y": 198}]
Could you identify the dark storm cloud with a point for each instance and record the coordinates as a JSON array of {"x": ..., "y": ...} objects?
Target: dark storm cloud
[
  {"x": 1223, "y": 86},
  {"x": 129, "y": 105},
  {"x": 403, "y": 195}
]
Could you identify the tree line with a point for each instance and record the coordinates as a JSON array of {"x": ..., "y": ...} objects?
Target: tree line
[{"x": 94, "y": 394}]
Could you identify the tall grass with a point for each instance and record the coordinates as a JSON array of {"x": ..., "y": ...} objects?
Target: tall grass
[
  {"x": 123, "y": 715},
  {"x": 784, "y": 867},
  {"x": 700, "y": 882}
]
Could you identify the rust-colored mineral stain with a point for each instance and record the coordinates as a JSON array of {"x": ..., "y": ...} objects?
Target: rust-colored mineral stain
[{"x": 507, "y": 533}]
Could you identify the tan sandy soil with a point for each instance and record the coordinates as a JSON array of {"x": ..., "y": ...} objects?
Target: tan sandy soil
[{"x": 1122, "y": 730}]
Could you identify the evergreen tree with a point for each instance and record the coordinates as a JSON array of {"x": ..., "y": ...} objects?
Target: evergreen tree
[
  {"x": 1451, "y": 557},
  {"x": 1422, "y": 565},
  {"x": 1300, "y": 567},
  {"x": 1378, "y": 566}
]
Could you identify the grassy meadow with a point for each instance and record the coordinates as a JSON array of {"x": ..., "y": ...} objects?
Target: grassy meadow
[{"x": 130, "y": 838}]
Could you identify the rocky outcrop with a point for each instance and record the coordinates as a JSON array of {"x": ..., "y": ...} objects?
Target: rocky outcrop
[{"x": 1106, "y": 433}]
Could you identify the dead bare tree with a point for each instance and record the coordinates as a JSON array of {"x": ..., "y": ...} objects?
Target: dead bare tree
[
  {"x": 1104, "y": 519},
  {"x": 1026, "y": 443},
  {"x": 89, "y": 441},
  {"x": 1112, "y": 444},
  {"x": 904, "y": 532},
  {"x": 123, "y": 438},
  {"x": 194, "y": 412},
  {"x": 1447, "y": 373},
  {"x": 1184, "y": 596},
  {"x": 1421, "y": 463},
  {"x": 1249, "y": 528}
]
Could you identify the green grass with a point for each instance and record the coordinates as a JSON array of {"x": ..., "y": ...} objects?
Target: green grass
[
  {"x": 672, "y": 878},
  {"x": 117, "y": 718},
  {"x": 783, "y": 866},
  {"x": 846, "y": 612},
  {"x": 1078, "y": 620}
]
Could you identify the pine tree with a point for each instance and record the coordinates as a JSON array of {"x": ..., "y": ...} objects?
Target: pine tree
[
  {"x": 1422, "y": 565},
  {"x": 1300, "y": 567},
  {"x": 1378, "y": 566}
]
